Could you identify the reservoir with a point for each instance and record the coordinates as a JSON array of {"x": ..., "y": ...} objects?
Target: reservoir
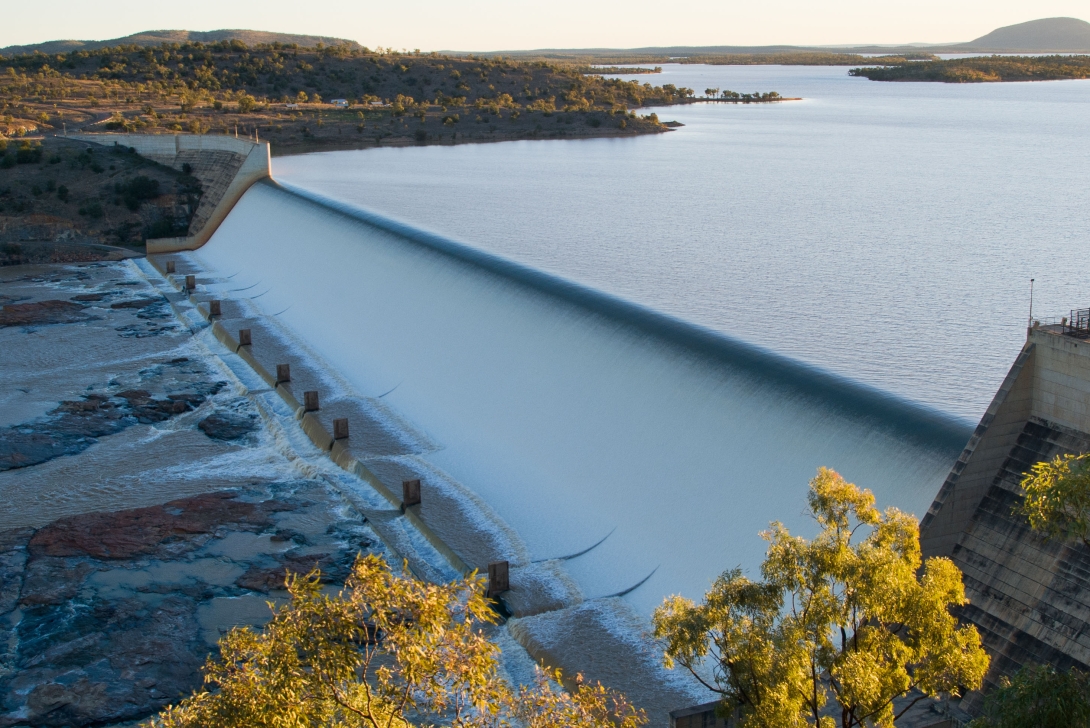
[{"x": 657, "y": 340}]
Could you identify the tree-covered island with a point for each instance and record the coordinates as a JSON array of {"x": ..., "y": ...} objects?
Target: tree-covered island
[{"x": 982, "y": 69}]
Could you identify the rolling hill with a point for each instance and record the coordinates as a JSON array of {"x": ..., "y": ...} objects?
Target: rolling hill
[
  {"x": 157, "y": 37},
  {"x": 1036, "y": 36}
]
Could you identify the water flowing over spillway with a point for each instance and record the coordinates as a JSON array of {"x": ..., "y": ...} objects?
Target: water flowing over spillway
[{"x": 574, "y": 415}]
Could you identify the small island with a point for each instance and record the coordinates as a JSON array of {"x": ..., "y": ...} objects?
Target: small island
[{"x": 982, "y": 69}]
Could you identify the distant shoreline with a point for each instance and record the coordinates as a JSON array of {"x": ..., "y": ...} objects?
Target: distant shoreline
[{"x": 983, "y": 69}]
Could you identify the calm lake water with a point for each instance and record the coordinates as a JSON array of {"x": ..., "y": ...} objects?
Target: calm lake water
[{"x": 884, "y": 231}]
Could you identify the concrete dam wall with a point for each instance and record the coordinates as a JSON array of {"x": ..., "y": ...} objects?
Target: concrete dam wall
[
  {"x": 1030, "y": 596},
  {"x": 654, "y": 449}
]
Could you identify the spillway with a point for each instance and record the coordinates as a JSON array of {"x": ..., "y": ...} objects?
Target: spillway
[{"x": 576, "y": 416}]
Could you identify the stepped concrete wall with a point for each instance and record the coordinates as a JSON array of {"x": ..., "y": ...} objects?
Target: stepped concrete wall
[
  {"x": 1028, "y": 596},
  {"x": 225, "y": 166}
]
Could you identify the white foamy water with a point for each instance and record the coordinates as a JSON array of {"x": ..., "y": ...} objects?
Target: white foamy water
[{"x": 571, "y": 414}]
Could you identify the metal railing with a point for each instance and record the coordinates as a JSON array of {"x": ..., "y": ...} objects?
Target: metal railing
[{"x": 1078, "y": 324}]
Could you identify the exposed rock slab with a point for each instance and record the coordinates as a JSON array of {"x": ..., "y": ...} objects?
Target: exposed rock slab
[
  {"x": 41, "y": 312},
  {"x": 107, "y": 617}
]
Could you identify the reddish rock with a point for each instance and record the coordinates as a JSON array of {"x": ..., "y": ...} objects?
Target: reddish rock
[
  {"x": 268, "y": 579},
  {"x": 41, "y": 312},
  {"x": 52, "y": 581},
  {"x": 138, "y": 302},
  {"x": 147, "y": 531},
  {"x": 12, "y": 565}
]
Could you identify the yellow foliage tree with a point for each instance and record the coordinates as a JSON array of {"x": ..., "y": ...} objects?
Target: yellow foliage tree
[
  {"x": 854, "y": 621},
  {"x": 388, "y": 651},
  {"x": 1058, "y": 497}
]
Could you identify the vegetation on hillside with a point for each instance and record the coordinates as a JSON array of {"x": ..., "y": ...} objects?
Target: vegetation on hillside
[
  {"x": 983, "y": 69},
  {"x": 840, "y": 625},
  {"x": 1038, "y": 696},
  {"x": 386, "y": 652},
  {"x": 283, "y": 94},
  {"x": 67, "y": 192}
]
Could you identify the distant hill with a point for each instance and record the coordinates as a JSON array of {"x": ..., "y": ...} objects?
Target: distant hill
[
  {"x": 1036, "y": 36},
  {"x": 157, "y": 37}
]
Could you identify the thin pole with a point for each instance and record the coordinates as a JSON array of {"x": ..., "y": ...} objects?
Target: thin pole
[{"x": 1031, "y": 302}]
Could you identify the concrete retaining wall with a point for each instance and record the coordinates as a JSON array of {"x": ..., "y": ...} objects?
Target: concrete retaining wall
[
  {"x": 249, "y": 162},
  {"x": 1029, "y": 596}
]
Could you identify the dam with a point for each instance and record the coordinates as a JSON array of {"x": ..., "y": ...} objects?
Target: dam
[
  {"x": 610, "y": 454},
  {"x": 643, "y": 452}
]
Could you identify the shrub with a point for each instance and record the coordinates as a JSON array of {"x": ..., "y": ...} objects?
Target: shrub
[
  {"x": 137, "y": 190},
  {"x": 28, "y": 153},
  {"x": 164, "y": 227},
  {"x": 1038, "y": 696}
]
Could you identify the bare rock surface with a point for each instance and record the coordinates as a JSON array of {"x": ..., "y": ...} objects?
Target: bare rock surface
[
  {"x": 107, "y": 617},
  {"x": 131, "y": 536},
  {"x": 74, "y": 426},
  {"x": 41, "y": 312},
  {"x": 227, "y": 425}
]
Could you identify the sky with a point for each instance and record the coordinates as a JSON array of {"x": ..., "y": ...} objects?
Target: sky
[{"x": 486, "y": 25}]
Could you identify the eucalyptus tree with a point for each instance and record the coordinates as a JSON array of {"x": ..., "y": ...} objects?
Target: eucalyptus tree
[{"x": 838, "y": 626}]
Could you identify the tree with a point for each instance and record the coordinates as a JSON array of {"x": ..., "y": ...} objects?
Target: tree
[
  {"x": 1057, "y": 500},
  {"x": 246, "y": 103},
  {"x": 711, "y": 93},
  {"x": 388, "y": 651},
  {"x": 848, "y": 618},
  {"x": 1038, "y": 696}
]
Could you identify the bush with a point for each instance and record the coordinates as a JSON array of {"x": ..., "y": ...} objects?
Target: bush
[
  {"x": 1038, "y": 696},
  {"x": 28, "y": 153},
  {"x": 164, "y": 227},
  {"x": 62, "y": 193},
  {"x": 7, "y": 162},
  {"x": 92, "y": 209},
  {"x": 137, "y": 190}
]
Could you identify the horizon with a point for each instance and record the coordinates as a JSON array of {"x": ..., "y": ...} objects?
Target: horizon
[{"x": 435, "y": 26}]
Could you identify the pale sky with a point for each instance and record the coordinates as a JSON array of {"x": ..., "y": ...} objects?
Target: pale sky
[{"x": 484, "y": 25}]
